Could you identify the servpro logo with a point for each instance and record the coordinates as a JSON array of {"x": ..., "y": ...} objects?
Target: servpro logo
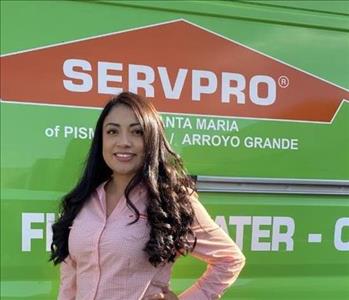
[
  {"x": 182, "y": 67},
  {"x": 261, "y": 89}
]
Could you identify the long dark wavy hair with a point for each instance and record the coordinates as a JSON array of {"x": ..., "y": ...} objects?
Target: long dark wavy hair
[{"x": 169, "y": 210}]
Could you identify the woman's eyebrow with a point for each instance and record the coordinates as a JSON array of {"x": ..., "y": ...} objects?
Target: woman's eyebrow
[
  {"x": 118, "y": 125},
  {"x": 113, "y": 124}
]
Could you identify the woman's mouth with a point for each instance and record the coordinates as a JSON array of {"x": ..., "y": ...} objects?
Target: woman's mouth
[{"x": 124, "y": 157}]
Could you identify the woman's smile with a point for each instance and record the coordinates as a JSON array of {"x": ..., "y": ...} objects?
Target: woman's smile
[
  {"x": 123, "y": 142},
  {"x": 124, "y": 157}
]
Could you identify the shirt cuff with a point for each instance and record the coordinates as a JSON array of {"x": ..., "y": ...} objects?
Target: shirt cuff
[{"x": 195, "y": 293}]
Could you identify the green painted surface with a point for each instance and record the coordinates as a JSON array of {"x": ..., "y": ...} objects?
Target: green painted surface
[
  {"x": 62, "y": 156},
  {"x": 36, "y": 170},
  {"x": 30, "y": 24},
  {"x": 303, "y": 269}
]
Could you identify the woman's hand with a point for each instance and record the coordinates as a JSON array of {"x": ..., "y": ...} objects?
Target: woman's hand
[{"x": 166, "y": 294}]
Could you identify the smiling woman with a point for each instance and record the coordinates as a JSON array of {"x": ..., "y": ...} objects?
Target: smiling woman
[
  {"x": 133, "y": 213},
  {"x": 123, "y": 145}
]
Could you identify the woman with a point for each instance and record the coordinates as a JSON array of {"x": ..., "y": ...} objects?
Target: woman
[{"x": 133, "y": 212}]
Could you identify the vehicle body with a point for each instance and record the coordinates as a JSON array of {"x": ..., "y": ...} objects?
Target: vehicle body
[{"x": 253, "y": 95}]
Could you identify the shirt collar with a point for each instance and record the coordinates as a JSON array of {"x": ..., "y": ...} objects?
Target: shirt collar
[{"x": 140, "y": 188}]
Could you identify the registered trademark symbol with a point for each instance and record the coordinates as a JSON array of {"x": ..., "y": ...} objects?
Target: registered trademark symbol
[{"x": 283, "y": 81}]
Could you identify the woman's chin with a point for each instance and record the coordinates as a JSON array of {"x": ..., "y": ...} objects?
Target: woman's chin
[{"x": 124, "y": 172}]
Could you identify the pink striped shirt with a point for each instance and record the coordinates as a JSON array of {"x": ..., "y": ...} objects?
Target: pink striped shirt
[{"x": 106, "y": 259}]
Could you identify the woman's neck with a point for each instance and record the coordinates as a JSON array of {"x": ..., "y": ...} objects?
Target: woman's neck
[{"x": 118, "y": 184}]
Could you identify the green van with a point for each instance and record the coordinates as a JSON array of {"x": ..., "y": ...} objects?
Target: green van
[{"x": 254, "y": 97}]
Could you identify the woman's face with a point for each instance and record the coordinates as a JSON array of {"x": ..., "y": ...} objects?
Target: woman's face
[{"x": 123, "y": 143}]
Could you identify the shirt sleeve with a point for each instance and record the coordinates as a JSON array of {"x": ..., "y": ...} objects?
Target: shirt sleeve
[
  {"x": 223, "y": 257},
  {"x": 67, "y": 288}
]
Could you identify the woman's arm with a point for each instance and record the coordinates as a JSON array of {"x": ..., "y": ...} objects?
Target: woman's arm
[
  {"x": 223, "y": 257},
  {"x": 67, "y": 288}
]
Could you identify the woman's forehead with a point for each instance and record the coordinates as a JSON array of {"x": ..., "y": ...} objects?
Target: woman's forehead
[{"x": 121, "y": 114}]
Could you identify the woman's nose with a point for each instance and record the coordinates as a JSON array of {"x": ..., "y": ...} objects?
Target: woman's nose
[{"x": 124, "y": 140}]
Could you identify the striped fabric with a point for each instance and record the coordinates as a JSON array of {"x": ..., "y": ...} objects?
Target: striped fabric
[{"x": 106, "y": 259}]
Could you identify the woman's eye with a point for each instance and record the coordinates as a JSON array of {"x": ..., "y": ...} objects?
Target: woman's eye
[
  {"x": 111, "y": 131},
  {"x": 138, "y": 132}
]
